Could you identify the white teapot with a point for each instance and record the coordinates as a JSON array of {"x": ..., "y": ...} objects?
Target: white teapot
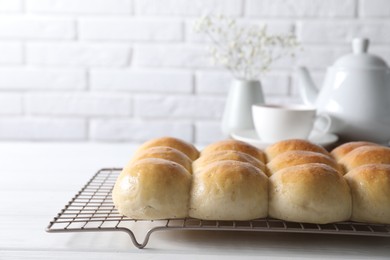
[{"x": 355, "y": 94}]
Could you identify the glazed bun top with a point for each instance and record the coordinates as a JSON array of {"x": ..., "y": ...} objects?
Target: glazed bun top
[
  {"x": 365, "y": 155},
  {"x": 184, "y": 147},
  {"x": 292, "y": 158},
  {"x": 164, "y": 152},
  {"x": 293, "y": 145},
  {"x": 339, "y": 152},
  {"x": 204, "y": 161},
  {"x": 235, "y": 146}
]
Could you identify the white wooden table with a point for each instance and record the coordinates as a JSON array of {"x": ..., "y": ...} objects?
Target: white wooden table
[{"x": 38, "y": 179}]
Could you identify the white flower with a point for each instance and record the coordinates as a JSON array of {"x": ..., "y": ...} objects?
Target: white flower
[{"x": 246, "y": 51}]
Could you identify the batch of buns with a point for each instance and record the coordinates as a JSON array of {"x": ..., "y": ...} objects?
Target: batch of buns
[{"x": 292, "y": 180}]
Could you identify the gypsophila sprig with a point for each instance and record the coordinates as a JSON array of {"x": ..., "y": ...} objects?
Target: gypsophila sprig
[{"x": 246, "y": 51}]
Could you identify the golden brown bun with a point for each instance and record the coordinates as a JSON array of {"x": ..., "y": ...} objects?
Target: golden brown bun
[
  {"x": 164, "y": 152},
  {"x": 229, "y": 190},
  {"x": 370, "y": 187},
  {"x": 342, "y": 150},
  {"x": 312, "y": 193},
  {"x": 293, "y": 145},
  {"x": 207, "y": 159},
  {"x": 293, "y": 158},
  {"x": 235, "y": 146},
  {"x": 365, "y": 155},
  {"x": 153, "y": 189},
  {"x": 184, "y": 147}
]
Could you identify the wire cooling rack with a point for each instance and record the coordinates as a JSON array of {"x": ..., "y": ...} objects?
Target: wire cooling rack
[{"x": 92, "y": 209}]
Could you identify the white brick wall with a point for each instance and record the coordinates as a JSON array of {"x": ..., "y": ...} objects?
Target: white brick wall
[
  {"x": 319, "y": 57},
  {"x": 131, "y": 70},
  {"x": 77, "y": 54},
  {"x": 178, "y": 106},
  {"x": 11, "y": 104},
  {"x": 172, "y": 55},
  {"x": 26, "y": 78},
  {"x": 208, "y": 132},
  {"x": 328, "y": 32},
  {"x": 187, "y": 8},
  {"x": 36, "y": 27},
  {"x": 78, "y": 104},
  {"x": 80, "y": 6},
  {"x": 375, "y": 8},
  {"x": 144, "y": 81},
  {"x": 138, "y": 130},
  {"x": 42, "y": 128},
  {"x": 279, "y": 27},
  {"x": 10, "y": 5},
  {"x": 215, "y": 82},
  {"x": 301, "y": 8},
  {"x": 131, "y": 29},
  {"x": 11, "y": 53}
]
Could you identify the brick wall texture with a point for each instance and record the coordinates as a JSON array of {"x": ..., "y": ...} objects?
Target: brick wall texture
[{"x": 131, "y": 70}]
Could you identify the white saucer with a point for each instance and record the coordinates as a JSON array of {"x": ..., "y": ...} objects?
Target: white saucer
[{"x": 250, "y": 136}]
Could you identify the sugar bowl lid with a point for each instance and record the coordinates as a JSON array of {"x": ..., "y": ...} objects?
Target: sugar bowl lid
[{"x": 360, "y": 58}]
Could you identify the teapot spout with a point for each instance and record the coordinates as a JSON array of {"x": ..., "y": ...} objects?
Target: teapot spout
[{"x": 307, "y": 88}]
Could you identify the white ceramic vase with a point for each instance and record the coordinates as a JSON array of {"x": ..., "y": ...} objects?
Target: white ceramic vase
[{"x": 238, "y": 108}]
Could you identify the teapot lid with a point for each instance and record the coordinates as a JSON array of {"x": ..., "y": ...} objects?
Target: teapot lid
[{"x": 359, "y": 58}]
